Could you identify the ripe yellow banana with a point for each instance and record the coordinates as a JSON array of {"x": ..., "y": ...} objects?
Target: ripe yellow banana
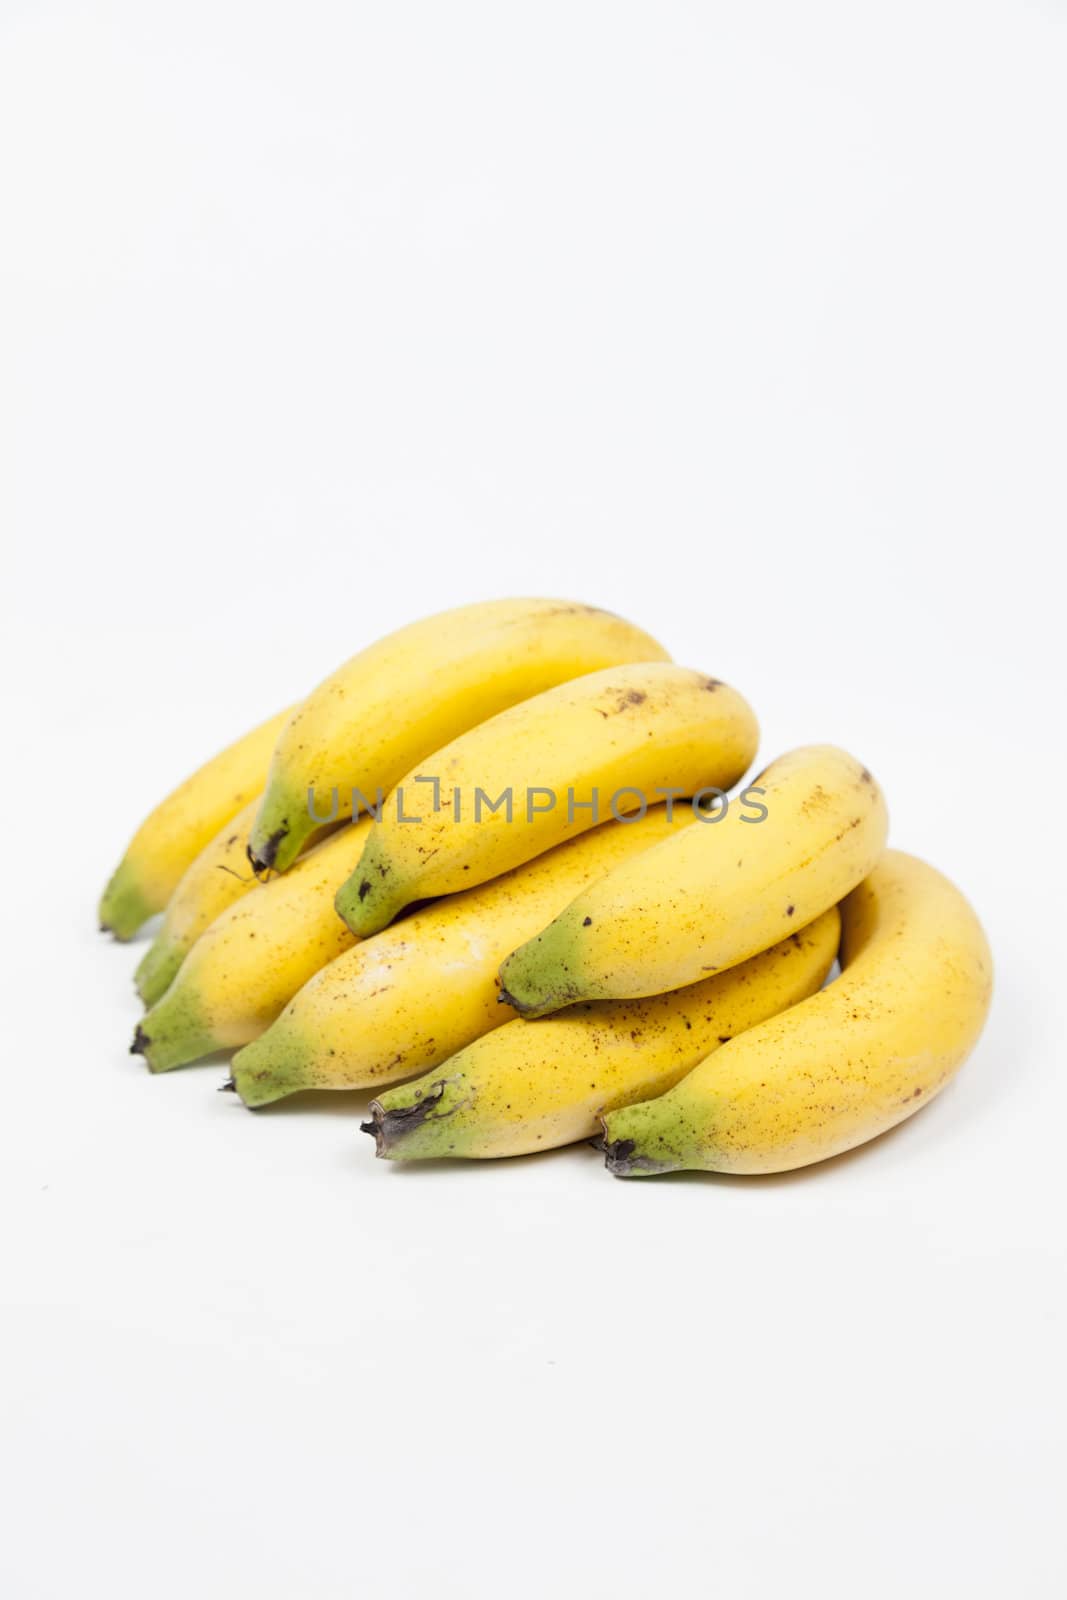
[
  {"x": 534, "y": 1085},
  {"x": 395, "y": 703},
  {"x": 715, "y": 895},
  {"x": 625, "y": 735},
  {"x": 247, "y": 966},
  {"x": 180, "y": 827},
  {"x": 844, "y": 1066},
  {"x": 408, "y": 998},
  {"x": 218, "y": 878}
]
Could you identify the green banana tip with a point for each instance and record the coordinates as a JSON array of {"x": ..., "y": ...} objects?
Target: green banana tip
[
  {"x": 153, "y": 978},
  {"x": 622, "y": 1158},
  {"x": 530, "y": 1009},
  {"x": 363, "y": 917},
  {"x": 374, "y": 894},
  {"x": 172, "y": 1047},
  {"x": 390, "y": 1126},
  {"x": 263, "y": 856},
  {"x": 125, "y": 922},
  {"x": 342, "y": 904},
  {"x": 533, "y": 999},
  {"x": 525, "y": 1008},
  {"x": 142, "y": 1046},
  {"x": 257, "y": 1089},
  {"x": 125, "y": 905}
]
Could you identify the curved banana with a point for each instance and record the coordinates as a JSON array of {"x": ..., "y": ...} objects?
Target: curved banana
[
  {"x": 715, "y": 895},
  {"x": 626, "y": 736},
  {"x": 247, "y": 966},
  {"x": 844, "y": 1066},
  {"x": 218, "y": 878},
  {"x": 534, "y": 1085},
  {"x": 398, "y": 701},
  {"x": 408, "y": 998},
  {"x": 180, "y": 827}
]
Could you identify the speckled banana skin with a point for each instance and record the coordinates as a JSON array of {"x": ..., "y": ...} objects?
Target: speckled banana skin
[
  {"x": 642, "y": 728},
  {"x": 246, "y": 967},
  {"x": 415, "y": 993},
  {"x": 844, "y": 1066},
  {"x": 398, "y": 701},
  {"x": 180, "y": 827},
  {"x": 534, "y": 1085},
  {"x": 714, "y": 896}
]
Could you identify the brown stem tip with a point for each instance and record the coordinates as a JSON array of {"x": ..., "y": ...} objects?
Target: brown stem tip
[
  {"x": 622, "y": 1162},
  {"x": 387, "y": 1128},
  {"x": 141, "y": 1041},
  {"x": 617, "y": 1155},
  {"x": 620, "y": 1158},
  {"x": 263, "y": 860}
]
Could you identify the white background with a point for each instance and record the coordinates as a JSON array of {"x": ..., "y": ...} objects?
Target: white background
[{"x": 748, "y": 322}]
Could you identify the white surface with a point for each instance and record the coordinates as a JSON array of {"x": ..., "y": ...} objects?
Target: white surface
[{"x": 748, "y": 322}]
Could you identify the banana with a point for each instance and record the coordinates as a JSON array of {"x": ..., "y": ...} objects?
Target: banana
[
  {"x": 180, "y": 827},
  {"x": 534, "y": 1085},
  {"x": 218, "y": 878},
  {"x": 843, "y": 1066},
  {"x": 247, "y": 966},
  {"x": 624, "y": 736},
  {"x": 395, "y": 703},
  {"x": 713, "y": 896},
  {"x": 408, "y": 998}
]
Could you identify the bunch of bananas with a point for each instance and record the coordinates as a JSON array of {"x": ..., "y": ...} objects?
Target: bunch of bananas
[{"x": 494, "y": 861}]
